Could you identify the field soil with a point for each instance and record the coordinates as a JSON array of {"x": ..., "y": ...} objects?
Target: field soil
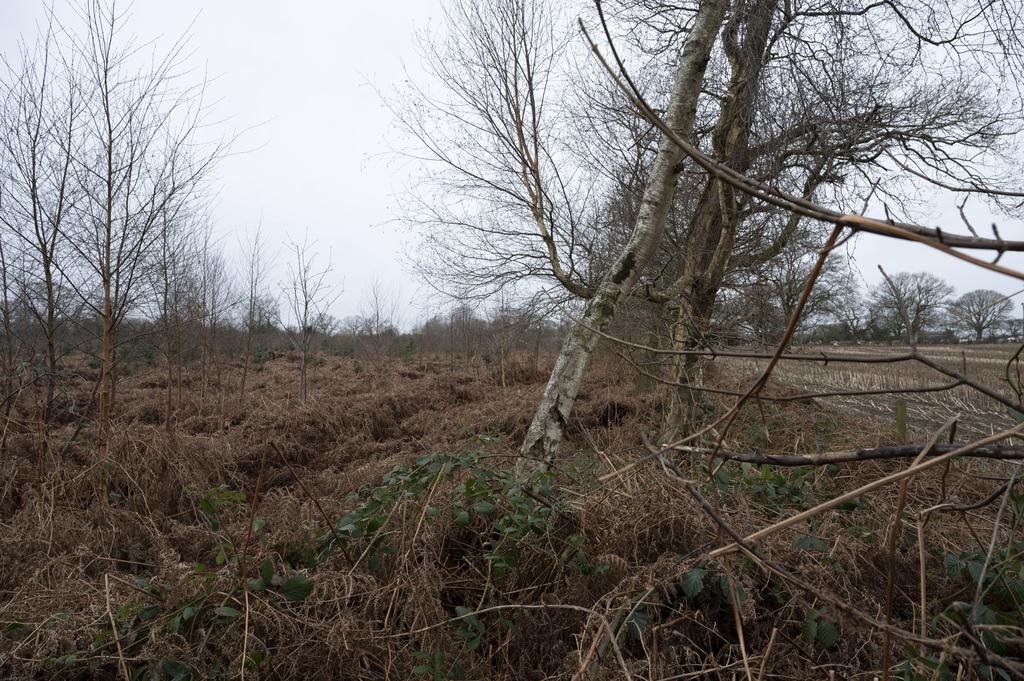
[{"x": 978, "y": 415}]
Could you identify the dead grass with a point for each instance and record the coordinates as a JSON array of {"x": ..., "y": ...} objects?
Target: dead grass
[{"x": 64, "y": 552}]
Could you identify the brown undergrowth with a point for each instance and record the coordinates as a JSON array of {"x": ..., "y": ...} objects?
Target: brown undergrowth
[{"x": 377, "y": 532}]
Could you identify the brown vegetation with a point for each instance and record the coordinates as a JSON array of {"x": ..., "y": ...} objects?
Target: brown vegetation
[{"x": 155, "y": 581}]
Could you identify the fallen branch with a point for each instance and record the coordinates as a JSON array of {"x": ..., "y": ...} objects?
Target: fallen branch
[
  {"x": 869, "y": 487},
  {"x": 994, "y": 451}
]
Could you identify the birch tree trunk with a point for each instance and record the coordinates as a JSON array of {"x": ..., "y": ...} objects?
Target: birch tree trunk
[{"x": 545, "y": 434}]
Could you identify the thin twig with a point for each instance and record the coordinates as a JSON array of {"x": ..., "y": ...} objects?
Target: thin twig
[
  {"x": 316, "y": 502},
  {"x": 113, "y": 629},
  {"x": 999, "y": 452},
  {"x": 890, "y": 579}
]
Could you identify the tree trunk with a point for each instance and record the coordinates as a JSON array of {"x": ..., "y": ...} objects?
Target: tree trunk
[
  {"x": 180, "y": 360},
  {"x": 113, "y": 368},
  {"x": 545, "y": 434},
  {"x": 204, "y": 365},
  {"x": 51, "y": 335},
  {"x": 302, "y": 374},
  {"x": 169, "y": 388},
  {"x": 689, "y": 332},
  {"x": 169, "y": 392},
  {"x": 106, "y": 268},
  {"x": 245, "y": 364},
  {"x": 106, "y": 375},
  {"x": 712, "y": 233},
  {"x": 8, "y": 349}
]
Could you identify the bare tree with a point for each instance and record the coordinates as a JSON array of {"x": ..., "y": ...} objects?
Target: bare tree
[
  {"x": 463, "y": 334},
  {"x": 9, "y": 344},
  {"x": 513, "y": 201},
  {"x": 910, "y": 302},
  {"x": 254, "y": 276},
  {"x": 508, "y": 210},
  {"x": 175, "y": 261},
  {"x": 766, "y": 297},
  {"x": 552, "y": 415},
  {"x": 42, "y": 104},
  {"x": 980, "y": 311},
  {"x": 815, "y": 119},
  {"x": 501, "y": 330},
  {"x": 216, "y": 298},
  {"x": 851, "y": 311},
  {"x": 141, "y": 154},
  {"x": 379, "y": 317},
  {"x": 307, "y": 295},
  {"x": 498, "y": 206}
]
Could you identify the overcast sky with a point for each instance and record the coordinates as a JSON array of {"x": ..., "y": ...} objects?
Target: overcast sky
[{"x": 306, "y": 74}]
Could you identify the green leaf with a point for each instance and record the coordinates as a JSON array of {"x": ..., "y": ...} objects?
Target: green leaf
[
  {"x": 851, "y": 505},
  {"x": 484, "y": 507},
  {"x": 861, "y": 532},
  {"x": 256, "y": 585},
  {"x": 206, "y": 506},
  {"x": 461, "y": 517},
  {"x": 828, "y": 635},
  {"x": 148, "y": 612},
  {"x": 101, "y": 637},
  {"x": 693, "y": 581},
  {"x": 253, "y": 660},
  {"x": 636, "y": 624},
  {"x": 1016, "y": 588},
  {"x": 984, "y": 614},
  {"x": 808, "y": 542},
  {"x": 809, "y": 628},
  {"x": 226, "y": 611},
  {"x": 175, "y": 670},
  {"x": 296, "y": 588},
  {"x": 14, "y": 626},
  {"x": 722, "y": 478},
  {"x": 953, "y": 565},
  {"x": 467, "y": 616},
  {"x": 267, "y": 571}
]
